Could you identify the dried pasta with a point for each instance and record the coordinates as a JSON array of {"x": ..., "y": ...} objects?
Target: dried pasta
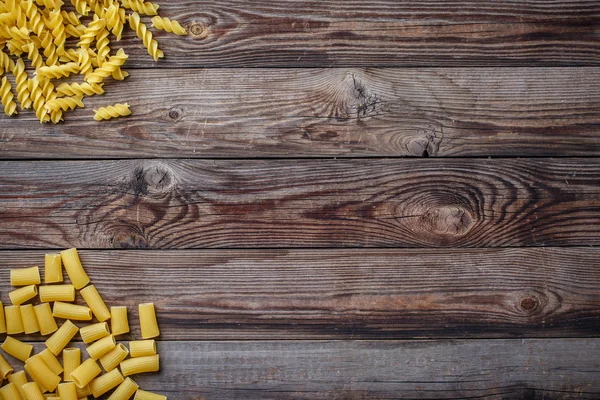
[
  {"x": 113, "y": 358},
  {"x": 125, "y": 390},
  {"x": 145, "y": 395},
  {"x": 91, "y": 333},
  {"x": 165, "y": 24},
  {"x": 101, "y": 347},
  {"x": 52, "y": 269},
  {"x": 79, "y": 89},
  {"x": 51, "y": 361},
  {"x": 3, "y": 319},
  {"x": 49, "y": 293},
  {"x": 21, "y": 295},
  {"x": 19, "y": 379},
  {"x": 84, "y": 374},
  {"x": 148, "y": 323},
  {"x": 140, "y": 365},
  {"x": 71, "y": 360},
  {"x": 45, "y": 319},
  {"x": 5, "y": 368},
  {"x": 104, "y": 383},
  {"x": 10, "y": 391},
  {"x": 74, "y": 269},
  {"x": 16, "y": 348},
  {"x": 10, "y": 107},
  {"x": 14, "y": 321},
  {"x": 41, "y": 373},
  {"x": 32, "y": 391},
  {"x": 67, "y": 391},
  {"x": 30, "y": 323},
  {"x": 143, "y": 33},
  {"x": 108, "y": 112},
  {"x": 141, "y": 348},
  {"x": 119, "y": 322},
  {"x": 94, "y": 301},
  {"x": 59, "y": 340},
  {"x": 25, "y": 276}
]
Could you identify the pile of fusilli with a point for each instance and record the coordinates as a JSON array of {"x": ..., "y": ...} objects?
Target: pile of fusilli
[{"x": 39, "y": 32}]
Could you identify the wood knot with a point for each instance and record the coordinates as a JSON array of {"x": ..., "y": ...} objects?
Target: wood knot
[
  {"x": 128, "y": 240},
  {"x": 529, "y": 303},
  {"x": 176, "y": 114},
  {"x": 155, "y": 178},
  {"x": 448, "y": 220},
  {"x": 198, "y": 30}
]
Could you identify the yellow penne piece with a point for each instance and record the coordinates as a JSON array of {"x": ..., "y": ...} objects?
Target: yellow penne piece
[
  {"x": 145, "y": 395},
  {"x": 14, "y": 321},
  {"x": 25, "y": 276},
  {"x": 30, "y": 324},
  {"x": 21, "y": 295},
  {"x": 125, "y": 390},
  {"x": 119, "y": 322},
  {"x": 75, "y": 271},
  {"x": 95, "y": 302},
  {"x": 32, "y": 391},
  {"x": 71, "y": 311},
  {"x": 91, "y": 333},
  {"x": 51, "y": 361},
  {"x": 10, "y": 391},
  {"x": 33, "y": 377},
  {"x": 41, "y": 373},
  {"x": 59, "y": 340},
  {"x": 84, "y": 374},
  {"x": 83, "y": 392},
  {"x": 148, "y": 324},
  {"x": 16, "y": 348},
  {"x": 5, "y": 368},
  {"x": 141, "y": 348},
  {"x": 139, "y": 365},
  {"x": 45, "y": 319},
  {"x": 67, "y": 391},
  {"x": 104, "y": 383},
  {"x": 50, "y": 293},
  {"x": 101, "y": 347},
  {"x": 19, "y": 379},
  {"x": 53, "y": 268},
  {"x": 71, "y": 360},
  {"x": 2, "y": 319},
  {"x": 113, "y": 358}
]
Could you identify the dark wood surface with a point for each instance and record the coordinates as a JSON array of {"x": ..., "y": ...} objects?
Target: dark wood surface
[
  {"x": 357, "y": 112},
  {"x": 348, "y": 294}
]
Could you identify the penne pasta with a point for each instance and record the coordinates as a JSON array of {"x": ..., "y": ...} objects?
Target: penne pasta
[
  {"x": 144, "y": 395},
  {"x": 14, "y": 321},
  {"x": 19, "y": 379},
  {"x": 75, "y": 271},
  {"x": 50, "y": 293},
  {"x": 21, "y": 295},
  {"x": 32, "y": 391},
  {"x": 10, "y": 391},
  {"x": 83, "y": 392},
  {"x": 91, "y": 333},
  {"x": 67, "y": 391},
  {"x": 113, "y": 358},
  {"x": 139, "y": 365},
  {"x": 95, "y": 302},
  {"x": 141, "y": 348},
  {"x": 125, "y": 390},
  {"x": 148, "y": 324},
  {"x": 16, "y": 348},
  {"x": 45, "y": 319},
  {"x": 30, "y": 324},
  {"x": 84, "y": 374},
  {"x": 25, "y": 276},
  {"x": 32, "y": 376},
  {"x": 59, "y": 340},
  {"x": 5, "y": 368},
  {"x": 119, "y": 322},
  {"x": 71, "y": 311},
  {"x": 53, "y": 268},
  {"x": 101, "y": 347},
  {"x": 51, "y": 361},
  {"x": 2, "y": 319},
  {"x": 41, "y": 373},
  {"x": 71, "y": 360},
  {"x": 104, "y": 383}
]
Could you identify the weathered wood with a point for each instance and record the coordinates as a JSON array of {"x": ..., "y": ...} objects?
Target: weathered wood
[
  {"x": 174, "y": 204},
  {"x": 463, "y": 369},
  {"x": 288, "y": 33},
  {"x": 337, "y": 112},
  {"x": 348, "y": 294}
]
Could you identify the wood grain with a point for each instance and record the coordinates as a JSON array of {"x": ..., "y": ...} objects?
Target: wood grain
[
  {"x": 336, "y": 112},
  {"x": 350, "y": 33},
  {"x": 347, "y": 294},
  {"x": 463, "y": 369},
  {"x": 174, "y": 204}
]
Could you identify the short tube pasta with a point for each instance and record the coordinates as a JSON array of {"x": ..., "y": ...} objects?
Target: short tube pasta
[
  {"x": 119, "y": 322},
  {"x": 14, "y": 321},
  {"x": 71, "y": 360},
  {"x": 91, "y": 333},
  {"x": 42, "y": 373},
  {"x": 104, "y": 383},
  {"x": 16, "y": 348},
  {"x": 148, "y": 324},
  {"x": 57, "y": 342},
  {"x": 19, "y": 379},
  {"x": 125, "y": 390},
  {"x": 3, "y": 319},
  {"x": 21, "y": 295},
  {"x": 141, "y": 348},
  {"x": 50, "y": 293},
  {"x": 10, "y": 391},
  {"x": 84, "y": 374},
  {"x": 5, "y": 368},
  {"x": 113, "y": 358},
  {"x": 83, "y": 391},
  {"x": 51, "y": 361},
  {"x": 94, "y": 301},
  {"x": 30, "y": 323},
  {"x": 30, "y": 373},
  {"x": 45, "y": 319},
  {"x": 32, "y": 391},
  {"x": 139, "y": 365},
  {"x": 101, "y": 347},
  {"x": 145, "y": 395},
  {"x": 75, "y": 271},
  {"x": 25, "y": 276},
  {"x": 71, "y": 311},
  {"x": 53, "y": 268},
  {"x": 67, "y": 391}
]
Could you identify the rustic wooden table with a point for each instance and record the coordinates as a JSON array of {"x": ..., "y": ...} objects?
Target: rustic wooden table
[{"x": 339, "y": 199}]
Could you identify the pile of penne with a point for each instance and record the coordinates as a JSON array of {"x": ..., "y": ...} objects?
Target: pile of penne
[{"x": 79, "y": 379}]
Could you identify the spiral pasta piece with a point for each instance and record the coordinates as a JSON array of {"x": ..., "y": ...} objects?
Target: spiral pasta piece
[
  {"x": 107, "y": 67},
  {"x": 58, "y": 71},
  {"x": 79, "y": 89},
  {"x": 10, "y": 107},
  {"x": 81, "y": 6},
  {"x": 37, "y": 97},
  {"x": 6, "y": 63},
  {"x": 91, "y": 31},
  {"x": 64, "y": 103},
  {"x": 21, "y": 80},
  {"x": 84, "y": 61},
  {"x": 102, "y": 46},
  {"x": 143, "y": 33},
  {"x": 70, "y": 17},
  {"x": 50, "y": 4},
  {"x": 55, "y": 22},
  {"x": 146, "y": 8},
  {"x": 33, "y": 15},
  {"x": 33, "y": 55},
  {"x": 166, "y": 24},
  {"x": 119, "y": 74},
  {"x": 108, "y": 112},
  {"x": 14, "y": 8},
  {"x": 74, "y": 30},
  {"x": 114, "y": 19}
]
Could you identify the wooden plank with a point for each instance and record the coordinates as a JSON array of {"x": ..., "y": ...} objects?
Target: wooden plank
[
  {"x": 331, "y": 33},
  {"x": 462, "y": 369},
  {"x": 316, "y": 112},
  {"x": 348, "y": 294},
  {"x": 174, "y": 204}
]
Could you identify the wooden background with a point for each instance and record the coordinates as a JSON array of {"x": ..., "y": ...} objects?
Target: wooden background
[{"x": 339, "y": 199}]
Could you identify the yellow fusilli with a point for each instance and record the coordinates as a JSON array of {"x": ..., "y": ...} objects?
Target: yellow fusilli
[
  {"x": 165, "y": 24},
  {"x": 107, "y": 67},
  {"x": 108, "y": 112},
  {"x": 21, "y": 80},
  {"x": 58, "y": 71},
  {"x": 143, "y": 33},
  {"x": 64, "y": 103},
  {"x": 146, "y": 8},
  {"x": 10, "y": 107},
  {"x": 79, "y": 89}
]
